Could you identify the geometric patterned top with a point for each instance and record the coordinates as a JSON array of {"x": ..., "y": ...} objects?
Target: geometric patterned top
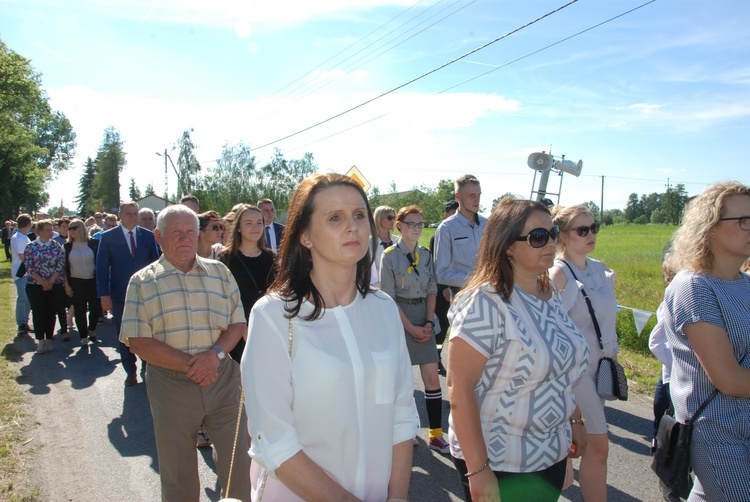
[{"x": 525, "y": 394}]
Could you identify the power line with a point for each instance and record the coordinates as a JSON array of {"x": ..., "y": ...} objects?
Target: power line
[
  {"x": 350, "y": 46},
  {"x": 354, "y": 65},
  {"x": 546, "y": 47},
  {"x": 419, "y": 77},
  {"x": 480, "y": 75},
  {"x": 316, "y": 84}
]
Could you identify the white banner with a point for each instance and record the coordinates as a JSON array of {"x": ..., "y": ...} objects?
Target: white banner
[{"x": 641, "y": 318}]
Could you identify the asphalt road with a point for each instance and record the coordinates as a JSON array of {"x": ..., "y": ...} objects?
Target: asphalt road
[{"x": 93, "y": 437}]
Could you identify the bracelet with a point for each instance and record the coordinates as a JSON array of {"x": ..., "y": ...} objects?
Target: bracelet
[
  {"x": 431, "y": 322},
  {"x": 579, "y": 420},
  {"x": 486, "y": 465}
]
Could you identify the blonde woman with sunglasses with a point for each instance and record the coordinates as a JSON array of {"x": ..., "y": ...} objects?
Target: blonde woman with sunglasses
[
  {"x": 574, "y": 270},
  {"x": 385, "y": 220}
]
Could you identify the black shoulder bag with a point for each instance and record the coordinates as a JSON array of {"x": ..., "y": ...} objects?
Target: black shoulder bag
[{"x": 611, "y": 382}]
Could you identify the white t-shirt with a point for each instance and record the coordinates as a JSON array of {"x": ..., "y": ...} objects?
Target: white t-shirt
[
  {"x": 18, "y": 244},
  {"x": 345, "y": 397}
]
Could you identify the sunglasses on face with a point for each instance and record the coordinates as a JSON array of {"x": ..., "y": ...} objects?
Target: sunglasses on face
[
  {"x": 74, "y": 227},
  {"x": 412, "y": 225},
  {"x": 583, "y": 230},
  {"x": 390, "y": 217},
  {"x": 539, "y": 237}
]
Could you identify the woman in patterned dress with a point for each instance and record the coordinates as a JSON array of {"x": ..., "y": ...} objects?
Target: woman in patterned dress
[
  {"x": 513, "y": 357},
  {"x": 706, "y": 322},
  {"x": 45, "y": 263}
]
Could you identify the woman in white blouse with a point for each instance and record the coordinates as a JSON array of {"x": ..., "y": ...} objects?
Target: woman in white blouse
[
  {"x": 572, "y": 271},
  {"x": 326, "y": 372},
  {"x": 513, "y": 358},
  {"x": 80, "y": 283}
]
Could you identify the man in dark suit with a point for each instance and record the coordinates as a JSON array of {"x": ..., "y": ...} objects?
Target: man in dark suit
[
  {"x": 7, "y": 234},
  {"x": 274, "y": 231},
  {"x": 123, "y": 250}
]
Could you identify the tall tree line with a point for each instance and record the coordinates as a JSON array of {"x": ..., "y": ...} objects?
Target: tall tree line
[{"x": 36, "y": 142}]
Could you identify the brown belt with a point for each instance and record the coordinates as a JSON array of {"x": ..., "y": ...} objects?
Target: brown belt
[{"x": 409, "y": 301}]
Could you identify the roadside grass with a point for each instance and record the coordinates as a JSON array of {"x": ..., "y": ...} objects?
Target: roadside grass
[{"x": 13, "y": 407}]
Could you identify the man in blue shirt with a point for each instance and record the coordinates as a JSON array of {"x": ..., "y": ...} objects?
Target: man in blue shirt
[{"x": 458, "y": 236}]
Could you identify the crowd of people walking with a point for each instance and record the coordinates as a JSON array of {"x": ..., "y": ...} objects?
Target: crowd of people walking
[{"x": 292, "y": 347}]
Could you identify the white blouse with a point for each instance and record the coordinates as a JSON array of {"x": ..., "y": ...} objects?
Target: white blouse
[{"x": 344, "y": 398}]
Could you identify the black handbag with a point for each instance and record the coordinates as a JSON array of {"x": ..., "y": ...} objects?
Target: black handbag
[
  {"x": 21, "y": 270},
  {"x": 611, "y": 381},
  {"x": 671, "y": 461}
]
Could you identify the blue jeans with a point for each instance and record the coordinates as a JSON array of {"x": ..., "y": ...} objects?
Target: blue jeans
[{"x": 23, "y": 307}]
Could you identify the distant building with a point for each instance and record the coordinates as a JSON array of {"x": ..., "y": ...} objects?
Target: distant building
[{"x": 154, "y": 202}]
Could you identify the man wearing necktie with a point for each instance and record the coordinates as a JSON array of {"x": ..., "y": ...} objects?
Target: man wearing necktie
[
  {"x": 123, "y": 250},
  {"x": 274, "y": 231}
]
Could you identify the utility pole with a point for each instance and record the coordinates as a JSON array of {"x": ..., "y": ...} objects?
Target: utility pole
[
  {"x": 669, "y": 212},
  {"x": 166, "y": 181},
  {"x": 601, "y": 205}
]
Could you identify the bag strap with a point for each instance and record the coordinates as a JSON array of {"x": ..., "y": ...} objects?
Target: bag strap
[
  {"x": 590, "y": 306},
  {"x": 239, "y": 258}
]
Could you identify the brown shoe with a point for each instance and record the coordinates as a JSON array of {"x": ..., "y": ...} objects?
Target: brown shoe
[{"x": 131, "y": 380}]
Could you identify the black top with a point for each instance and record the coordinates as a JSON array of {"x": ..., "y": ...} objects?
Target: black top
[{"x": 261, "y": 268}]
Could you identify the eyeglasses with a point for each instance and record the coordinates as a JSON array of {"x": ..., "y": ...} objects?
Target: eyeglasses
[
  {"x": 539, "y": 237},
  {"x": 215, "y": 228},
  {"x": 583, "y": 230},
  {"x": 74, "y": 227},
  {"x": 743, "y": 221},
  {"x": 390, "y": 217},
  {"x": 414, "y": 224}
]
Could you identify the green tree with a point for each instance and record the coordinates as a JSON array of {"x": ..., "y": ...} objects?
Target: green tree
[
  {"x": 673, "y": 204},
  {"x": 35, "y": 142},
  {"x": 149, "y": 190},
  {"x": 593, "y": 208},
  {"x": 110, "y": 161},
  {"x": 634, "y": 207},
  {"x": 133, "y": 192},
  {"x": 231, "y": 181},
  {"x": 188, "y": 167},
  {"x": 85, "y": 189}
]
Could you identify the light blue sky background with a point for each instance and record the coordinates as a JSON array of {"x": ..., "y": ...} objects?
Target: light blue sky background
[{"x": 660, "y": 93}]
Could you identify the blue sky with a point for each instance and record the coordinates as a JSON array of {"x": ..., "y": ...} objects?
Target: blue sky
[{"x": 661, "y": 93}]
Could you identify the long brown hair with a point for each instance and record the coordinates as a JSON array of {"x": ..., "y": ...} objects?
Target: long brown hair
[
  {"x": 504, "y": 227},
  {"x": 235, "y": 239},
  {"x": 295, "y": 260}
]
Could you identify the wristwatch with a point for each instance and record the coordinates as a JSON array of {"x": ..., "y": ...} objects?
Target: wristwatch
[{"x": 219, "y": 352}]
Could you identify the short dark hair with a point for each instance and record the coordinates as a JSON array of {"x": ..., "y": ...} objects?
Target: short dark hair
[
  {"x": 24, "y": 220},
  {"x": 189, "y": 198},
  {"x": 295, "y": 260}
]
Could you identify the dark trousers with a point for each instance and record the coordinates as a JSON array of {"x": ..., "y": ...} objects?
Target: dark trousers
[
  {"x": 85, "y": 299},
  {"x": 441, "y": 310},
  {"x": 44, "y": 305},
  {"x": 127, "y": 358},
  {"x": 7, "y": 249},
  {"x": 662, "y": 402},
  {"x": 542, "y": 486}
]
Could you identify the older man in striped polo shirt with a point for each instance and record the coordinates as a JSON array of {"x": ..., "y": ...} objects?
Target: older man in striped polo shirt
[{"x": 183, "y": 314}]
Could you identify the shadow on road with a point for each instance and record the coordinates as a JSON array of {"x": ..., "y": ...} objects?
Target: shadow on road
[{"x": 132, "y": 433}]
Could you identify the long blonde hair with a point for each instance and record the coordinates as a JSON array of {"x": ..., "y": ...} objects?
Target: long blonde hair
[{"x": 691, "y": 245}]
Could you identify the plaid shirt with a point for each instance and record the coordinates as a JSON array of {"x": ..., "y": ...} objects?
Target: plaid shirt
[{"x": 187, "y": 311}]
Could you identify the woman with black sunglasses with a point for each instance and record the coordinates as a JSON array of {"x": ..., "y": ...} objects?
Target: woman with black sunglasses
[
  {"x": 574, "y": 270},
  {"x": 210, "y": 229},
  {"x": 385, "y": 219},
  {"x": 80, "y": 284},
  {"x": 513, "y": 358}
]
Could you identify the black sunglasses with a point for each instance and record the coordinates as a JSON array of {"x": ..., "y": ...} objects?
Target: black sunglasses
[
  {"x": 390, "y": 217},
  {"x": 539, "y": 237},
  {"x": 583, "y": 231}
]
